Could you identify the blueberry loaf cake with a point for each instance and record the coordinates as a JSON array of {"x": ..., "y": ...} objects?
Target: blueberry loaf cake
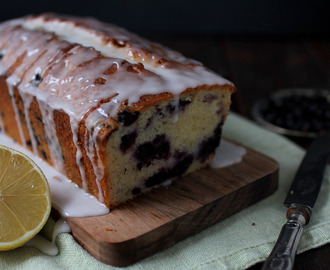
[{"x": 117, "y": 114}]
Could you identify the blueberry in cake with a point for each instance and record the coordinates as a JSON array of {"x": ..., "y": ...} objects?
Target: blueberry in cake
[{"x": 118, "y": 114}]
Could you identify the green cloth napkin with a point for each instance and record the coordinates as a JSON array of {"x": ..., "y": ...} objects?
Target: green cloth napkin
[{"x": 235, "y": 243}]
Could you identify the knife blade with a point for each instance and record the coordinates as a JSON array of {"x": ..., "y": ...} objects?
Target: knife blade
[{"x": 300, "y": 200}]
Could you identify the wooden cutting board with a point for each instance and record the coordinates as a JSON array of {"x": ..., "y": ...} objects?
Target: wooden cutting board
[{"x": 166, "y": 215}]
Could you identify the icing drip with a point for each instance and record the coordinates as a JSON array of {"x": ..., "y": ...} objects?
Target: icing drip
[
  {"x": 52, "y": 140},
  {"x": 46, "y": 246},
  {"x": 87, "y": 70},
  {"x": 227, "y": 154},
  {"x": 67, "y": 198},
  {"x": 79, "y": 155}
]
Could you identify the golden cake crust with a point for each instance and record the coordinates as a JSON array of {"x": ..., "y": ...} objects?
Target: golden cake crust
[{"x": 67, "y": 84}]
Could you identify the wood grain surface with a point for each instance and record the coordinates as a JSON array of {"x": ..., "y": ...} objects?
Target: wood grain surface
[{"x": 161, "y": 218}]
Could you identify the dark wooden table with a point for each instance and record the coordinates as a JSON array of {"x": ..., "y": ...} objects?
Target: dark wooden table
[{"x": 258, "y": 66}]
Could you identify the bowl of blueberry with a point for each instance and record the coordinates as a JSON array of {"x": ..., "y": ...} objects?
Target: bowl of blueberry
[{"x": 295, "y": 112}]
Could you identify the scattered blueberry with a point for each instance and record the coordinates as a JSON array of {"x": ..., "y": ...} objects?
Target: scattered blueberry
[
  {"x": 37, "y": 80},
  {"x": 158, "y": 178},
  {"x": 149, "y": 122},
  {"x": 298, "y": 112},
  {"x": 127, "y": 141},
  {"x": 36, "y": 138},
  {"x": 166, "y": 173},
  {"x": 145, "y": 152},
  {"x": 208, "y": 146},
  {"x": 182, "y": 166},
  {"x": 128, "y": 118},
  {"x": 209, "y": 98},
  {"x": 162, "y": 147},
  {"x": 44, "y": 155},
  {"x": 21, "y": 113},
  {"x": 159, "y": 148},
  {"x": 183, "y": 103},
  {"x": 170, "y": 108},
  {"x": 140, "y": 165},
  {"x": 38, "y": 118},
  {"x": 136, "y": 191}
]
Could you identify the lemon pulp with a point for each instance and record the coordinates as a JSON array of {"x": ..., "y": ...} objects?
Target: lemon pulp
[{"x": 25, "y": 201}]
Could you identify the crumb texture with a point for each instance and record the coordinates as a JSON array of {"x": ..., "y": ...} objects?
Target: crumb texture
[{"x": 116, "y": 113}]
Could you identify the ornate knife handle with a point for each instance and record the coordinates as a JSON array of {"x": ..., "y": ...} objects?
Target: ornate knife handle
[{"x": 284, "y": 252}]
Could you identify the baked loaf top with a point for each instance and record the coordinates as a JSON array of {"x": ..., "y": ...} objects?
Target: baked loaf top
[
  {"x": 76, "y": 77},
  {"x": 94, "y": 63}
]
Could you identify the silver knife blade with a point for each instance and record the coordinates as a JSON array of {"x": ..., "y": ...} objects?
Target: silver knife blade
[{"x": 300, "y": 200}]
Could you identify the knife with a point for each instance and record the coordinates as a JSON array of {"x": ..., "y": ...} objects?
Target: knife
[{"x": 300, "y": 201}]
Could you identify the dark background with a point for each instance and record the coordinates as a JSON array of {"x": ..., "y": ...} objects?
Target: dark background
[
  {"x": 261, "y": 45},
  {"x": 227, "y": 17}
]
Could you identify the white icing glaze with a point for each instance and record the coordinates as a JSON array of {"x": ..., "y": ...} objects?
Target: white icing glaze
[
  {"x": 44, "y": 245},
  {"x": 111, "y": 40},
  {"x": 49, "y": 247},
  {"x": 72, "y": 58},
  {"x": 56, "y": 153},
  {"x": 125, "y": 85},
  {"x": 67, "y": 198},
  {"x": 227, "y": 154},
  {"x": 69, "y": 83}
]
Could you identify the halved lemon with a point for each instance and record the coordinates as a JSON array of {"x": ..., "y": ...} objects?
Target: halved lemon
[{"x": 25, "y": 201}]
